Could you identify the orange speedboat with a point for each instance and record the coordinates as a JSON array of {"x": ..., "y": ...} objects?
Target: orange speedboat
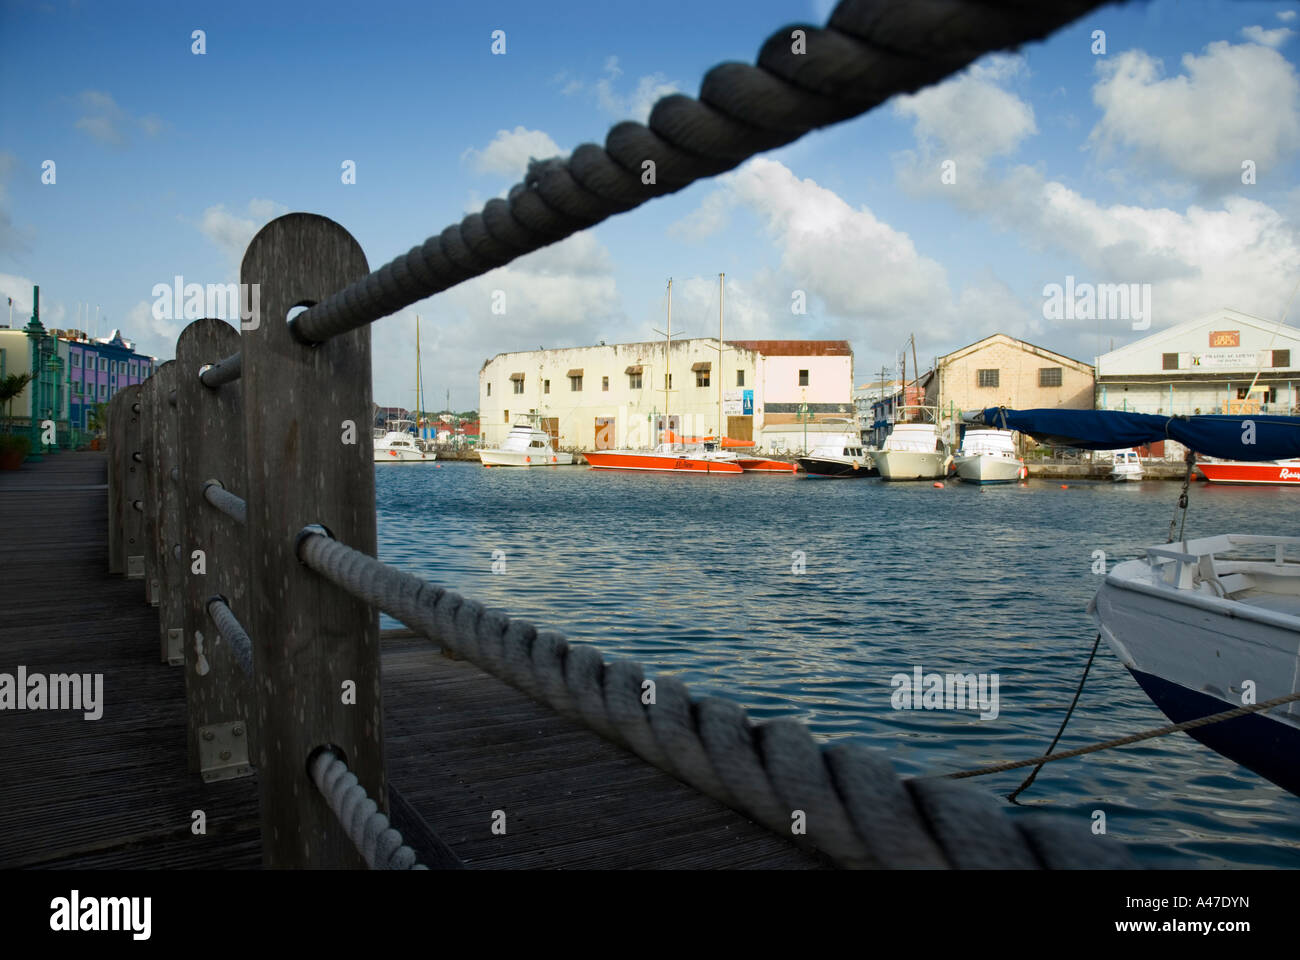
[{"x": 665, "y": 458}]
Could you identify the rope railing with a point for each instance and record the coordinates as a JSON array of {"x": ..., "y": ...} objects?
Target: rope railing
[
  {"x": 379, "y": 844},
  {"x": 233, "y": 632},
  {"x": 805, "y": 78},
  {"x": 857, "y": 810},
  {"x": 228, "y": 503}
]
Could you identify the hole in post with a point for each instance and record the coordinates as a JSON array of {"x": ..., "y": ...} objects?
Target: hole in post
[
  {"x": 311, "y": 757},
  {"x": 299, "y": 308}
]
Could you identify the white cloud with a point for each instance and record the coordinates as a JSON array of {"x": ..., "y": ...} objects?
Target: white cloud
[
  {"x": 231, "y": 232},
  {"x": 561, "y": 295},
  {"x": 637, "y": 104},
  {"x": 1250, "y": 91},
  {"x": 1269, "y": 38},
  {"x": 1286, "y": 16},
  {"x": 509, "y": 152},
  {"x": 971, "y": 118},
  {"x": 20, "y": 289},
  {"x": 104, "y": 120}
]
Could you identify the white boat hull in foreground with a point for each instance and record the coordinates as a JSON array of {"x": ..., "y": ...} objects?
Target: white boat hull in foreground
[{"x": 1197, "y": 631}]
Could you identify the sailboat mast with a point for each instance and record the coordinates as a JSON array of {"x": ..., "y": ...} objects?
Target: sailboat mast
[
  {"x": 721, "y": 294},
  {"x": 668, "y": 349},
  {"x": 419, "y": 392}
]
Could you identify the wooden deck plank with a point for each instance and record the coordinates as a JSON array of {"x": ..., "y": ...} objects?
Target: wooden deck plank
[{"x": 114, "y": 793}]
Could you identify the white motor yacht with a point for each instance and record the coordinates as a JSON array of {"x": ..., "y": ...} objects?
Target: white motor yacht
[
  {"x": 913, "y": 451},
  {"x": 989, "y": 456},
  {"x": 525, "y": 446},
  {"x": 399, "y": 445}
]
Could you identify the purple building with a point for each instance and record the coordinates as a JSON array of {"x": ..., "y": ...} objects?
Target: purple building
[{"x": 97, "y": 369}]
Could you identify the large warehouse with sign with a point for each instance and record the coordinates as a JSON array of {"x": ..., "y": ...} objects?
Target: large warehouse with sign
[{"x": 1224, "y": 362}]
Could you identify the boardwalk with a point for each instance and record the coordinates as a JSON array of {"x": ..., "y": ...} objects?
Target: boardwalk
[{"x": 114, "y": 792}]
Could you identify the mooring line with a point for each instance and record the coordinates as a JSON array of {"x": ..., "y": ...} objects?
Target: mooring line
[
  {"x": 1069, "y": 713},
  {"x": 1123, "y": 741}
]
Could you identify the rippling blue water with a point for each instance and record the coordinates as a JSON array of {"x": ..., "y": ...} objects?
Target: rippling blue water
[{"x": 692, "y": 576}]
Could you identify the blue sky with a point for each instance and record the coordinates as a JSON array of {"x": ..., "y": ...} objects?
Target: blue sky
[{"x": 1122, "y": 167}]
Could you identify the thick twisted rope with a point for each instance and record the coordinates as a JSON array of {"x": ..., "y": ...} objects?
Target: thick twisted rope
[
  {"x": 854, "y": 806},
  {"x": 232, "y": 506},
  {"x": 868, "y": 51},
  {"x": 379, "y": 844},
  {"x": 233, "y": 632}
]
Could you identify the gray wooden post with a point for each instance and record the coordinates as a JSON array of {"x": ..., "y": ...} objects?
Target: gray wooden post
[
  {"x": 133, "y": 492},
  {"x": 149, "y": 482},
  {"x": 210, "y": 428},
  {"x": 171, "y": 625},
  {"x": 310, "y": 461},
  {"x": 116, "y": 456}
]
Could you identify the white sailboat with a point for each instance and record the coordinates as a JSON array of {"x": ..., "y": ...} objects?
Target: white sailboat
[{"x": 400, "y": 442}]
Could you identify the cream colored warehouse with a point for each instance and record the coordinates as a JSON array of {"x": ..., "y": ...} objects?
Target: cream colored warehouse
[{"x": 613, "y": 395}]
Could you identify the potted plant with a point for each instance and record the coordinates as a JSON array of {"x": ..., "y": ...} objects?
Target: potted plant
[
  {"x": 96, "y": 423},
  {"x": 14, "y": 448}
]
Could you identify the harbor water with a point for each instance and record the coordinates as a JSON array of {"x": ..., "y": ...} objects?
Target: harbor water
[{"x": 802, "y": 597}]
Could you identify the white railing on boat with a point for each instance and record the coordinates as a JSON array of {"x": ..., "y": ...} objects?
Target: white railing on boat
[{"x": 1193, "y": 560}]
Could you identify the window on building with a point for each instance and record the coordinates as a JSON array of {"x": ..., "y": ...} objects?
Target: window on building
[
  {"x": 489, "y": 389},
  {"x": 604, "y": 384},
  {"x": 1049, "y": 376},
  {"x": 546, "y": 386},
  {"x": 76, "y": 359},
  {"x": 634, "y": 381},
  {"x": 103, "y": 363},
  {"x": 76, "y": 387},
  {"x": 1169, "y": 361},
  {"x": 575, "y": 384},
  {"x": 803, "y": 378},
  {"x": 668, "y": 381},
  {"x": 135, "y": 371},
  {"x": 987, "y": 378},
  {"x": 507, "y": 417},
  {"x": 701, "y": 378},
  {"x": 740, "y": 378},
  {"x": 1281, "y": 358},
  {"x": 518, "y": 385},
  {"x": 103, "y": 390}
]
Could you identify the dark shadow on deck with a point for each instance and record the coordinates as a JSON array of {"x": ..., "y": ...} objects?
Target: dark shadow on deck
[{"x": 114, "y": 792}]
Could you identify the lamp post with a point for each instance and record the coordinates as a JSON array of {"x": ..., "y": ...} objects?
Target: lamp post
[{"x": 36, "y": 333}]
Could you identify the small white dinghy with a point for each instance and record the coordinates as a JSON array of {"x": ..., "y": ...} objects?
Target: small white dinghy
[{"x": 1128, "y": 466}]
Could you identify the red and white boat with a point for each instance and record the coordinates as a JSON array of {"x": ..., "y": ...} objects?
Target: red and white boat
[
  {"x": 666, "y": 458},
  {"x": 724, "y": 451},
  {"x": 1280, "y": 472}
]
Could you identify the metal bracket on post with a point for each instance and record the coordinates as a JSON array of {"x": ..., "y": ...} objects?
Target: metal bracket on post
[
  {"x": 223, "y": 752},
  {"x": 135, "y": 567},
  {"x": 173, "y": 654},
  {"x": 307, "y": 412}
]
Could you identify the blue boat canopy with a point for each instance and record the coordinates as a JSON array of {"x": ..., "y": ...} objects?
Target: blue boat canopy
[{"x": 1222, "y": 436}]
